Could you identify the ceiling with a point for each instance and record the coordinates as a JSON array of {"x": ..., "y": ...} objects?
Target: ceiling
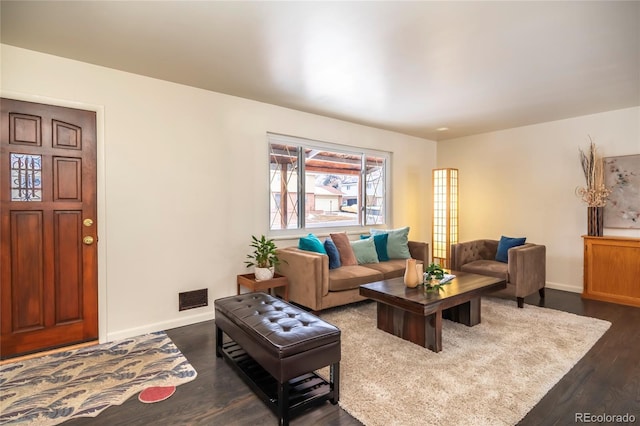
[{"x": 410, "y": 67}]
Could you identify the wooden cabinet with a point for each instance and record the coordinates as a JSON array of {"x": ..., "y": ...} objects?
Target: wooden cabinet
[{"x": 612, "y": 269}]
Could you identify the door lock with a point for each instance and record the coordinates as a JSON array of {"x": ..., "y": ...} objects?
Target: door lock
[{"x": 88, "y": 240}]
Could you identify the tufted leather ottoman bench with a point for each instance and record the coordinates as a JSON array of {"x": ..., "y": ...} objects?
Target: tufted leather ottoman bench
[{"x": 276, "y": 347}]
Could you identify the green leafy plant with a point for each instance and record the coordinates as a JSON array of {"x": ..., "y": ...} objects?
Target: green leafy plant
[
  {"x": 434, "y": 271},
  {"x": 264, "y": 253}
]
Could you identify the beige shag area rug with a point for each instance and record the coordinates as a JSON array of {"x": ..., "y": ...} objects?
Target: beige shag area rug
[{"x": 489, "y": 374}]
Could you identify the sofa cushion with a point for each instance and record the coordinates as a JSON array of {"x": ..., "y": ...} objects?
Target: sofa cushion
[
  {"x": 333, "y": 253},
  {"x": 380, "y": 242},
  {"x": 311, "y": 243},
  {"x": 397, "y": 243},
  {"x": 350, "y": 277},
  {"x": 365, "y": 251},
  {"x": 505, "y": 244},
  {"x": 492, "y": 268},
  {"x": 390, "y": 269},
  {"x": 347, "y": 257}
]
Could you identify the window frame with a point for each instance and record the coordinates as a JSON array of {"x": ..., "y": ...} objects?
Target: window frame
[{"x": 305, "y": 143}]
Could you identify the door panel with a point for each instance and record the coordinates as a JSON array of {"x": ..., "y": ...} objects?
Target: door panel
[
  {"x": 68, "y": 265},
  {"x": 48, "y": 188},
  {"x": 28, "y": 288}
]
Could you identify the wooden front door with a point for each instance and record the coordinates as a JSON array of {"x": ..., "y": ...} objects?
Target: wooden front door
[{"x": 48, "y": 229}]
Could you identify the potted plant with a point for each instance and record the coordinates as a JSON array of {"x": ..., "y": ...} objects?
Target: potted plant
[
  {"x": 433, "y": 276},
  {"x": 264, "y": 258},
  {"x": 434, "y": 271}
]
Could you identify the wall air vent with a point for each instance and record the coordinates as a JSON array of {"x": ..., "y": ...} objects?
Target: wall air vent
[{"x": 193, "y": 299}]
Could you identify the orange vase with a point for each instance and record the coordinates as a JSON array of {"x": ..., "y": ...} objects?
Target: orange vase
[{"x": 411, "y": 274}]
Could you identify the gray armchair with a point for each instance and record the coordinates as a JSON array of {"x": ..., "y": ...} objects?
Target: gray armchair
[{"x": 525, "y": 270}]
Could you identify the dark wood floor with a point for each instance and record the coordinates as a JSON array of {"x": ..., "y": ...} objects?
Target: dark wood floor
[{"x": 605, "y": 381}]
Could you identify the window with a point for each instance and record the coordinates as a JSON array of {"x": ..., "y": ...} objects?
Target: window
[
  {"x": 320, "y": 185},
  {"x": 26, "y": 177}
]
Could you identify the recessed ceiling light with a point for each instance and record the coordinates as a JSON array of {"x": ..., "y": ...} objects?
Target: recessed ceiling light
[{"x": 442, "y": 129}]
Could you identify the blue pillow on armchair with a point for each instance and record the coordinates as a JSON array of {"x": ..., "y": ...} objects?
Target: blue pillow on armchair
[{"x": 505, "y": 244}]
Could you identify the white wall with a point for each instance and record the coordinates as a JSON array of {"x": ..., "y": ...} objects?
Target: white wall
[
  {"x": 183, "y": 181},
  {"x": 522, "y": 182}
]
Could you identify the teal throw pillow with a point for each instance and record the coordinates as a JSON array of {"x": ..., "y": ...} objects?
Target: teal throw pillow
[
  {"x": 333, "y": 253},
  {"x": 380, "y": 242},
  {"x": 365, "y": 251},
  {"x": 311, "y": 243},
  {"x": 397, "y": 242},
  {"x": 505, "y": 244}
]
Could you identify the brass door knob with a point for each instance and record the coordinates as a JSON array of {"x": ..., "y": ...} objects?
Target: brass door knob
[{"x": 88, "y": 240}]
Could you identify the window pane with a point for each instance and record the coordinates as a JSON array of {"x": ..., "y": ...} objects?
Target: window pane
[
  {"x": 375, "y": 191},
  {"x": 320, "y": 185},
  {"x": 26, "y": 177},
  {"x": 332, "y": 188},
  {"x": 284, "y": 202}
]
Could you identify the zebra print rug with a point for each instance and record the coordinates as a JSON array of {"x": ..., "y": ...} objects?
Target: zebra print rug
[{"x": 82, "y": 383}]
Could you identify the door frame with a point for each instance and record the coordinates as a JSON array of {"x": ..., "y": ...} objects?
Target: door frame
[{"x": 100, "y": 196}]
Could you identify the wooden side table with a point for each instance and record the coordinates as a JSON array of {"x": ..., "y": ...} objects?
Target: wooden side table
[{"x": 249, "y": 281}]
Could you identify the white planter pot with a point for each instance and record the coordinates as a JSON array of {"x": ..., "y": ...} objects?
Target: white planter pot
[{"x": 264, "y": 273}]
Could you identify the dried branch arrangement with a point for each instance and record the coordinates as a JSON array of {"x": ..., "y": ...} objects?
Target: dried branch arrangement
[{"x": 595, "y": 193}]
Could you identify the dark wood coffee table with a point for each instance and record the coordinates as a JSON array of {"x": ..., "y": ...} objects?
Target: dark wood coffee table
[{"x": 416, "y": 315}]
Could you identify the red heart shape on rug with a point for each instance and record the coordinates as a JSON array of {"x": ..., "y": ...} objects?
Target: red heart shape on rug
[{"x": 156, "y": 394}]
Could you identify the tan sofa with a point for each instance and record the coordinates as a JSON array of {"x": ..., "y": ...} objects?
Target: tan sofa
[
  {"x": 313, "y": 285},
  {"x": 525, "y": 271}
]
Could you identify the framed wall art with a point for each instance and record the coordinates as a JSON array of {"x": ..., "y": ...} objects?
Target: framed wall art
[{"x": 622, "y": 176}]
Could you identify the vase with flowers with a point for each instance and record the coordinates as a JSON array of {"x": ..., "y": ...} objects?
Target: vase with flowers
[{"x": 595, "y": 193}]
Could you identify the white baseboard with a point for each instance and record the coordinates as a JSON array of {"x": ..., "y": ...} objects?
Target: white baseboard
[
  {"x": 564, "y": 287},
  {"x": 209, "y": 315},
  {"x": 159, "y": 326}
]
